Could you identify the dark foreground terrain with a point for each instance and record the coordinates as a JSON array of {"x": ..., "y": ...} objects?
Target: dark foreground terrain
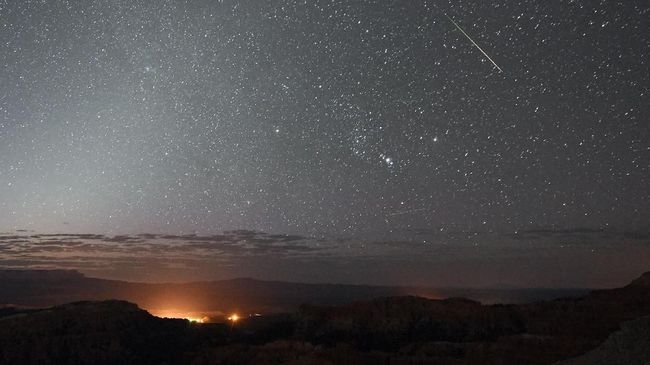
[{"x": 603, "y": 327}]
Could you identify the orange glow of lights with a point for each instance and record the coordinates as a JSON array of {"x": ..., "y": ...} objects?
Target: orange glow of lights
[
  {"x": 179, "y": 315},
  {"x": 197, "y": 320},
  {"x": 233, "y": 317}
]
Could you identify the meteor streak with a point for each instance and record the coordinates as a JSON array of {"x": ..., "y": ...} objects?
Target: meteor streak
[
  {"x": 407, "y": 211},
  {"x": 474, "y": 43}
]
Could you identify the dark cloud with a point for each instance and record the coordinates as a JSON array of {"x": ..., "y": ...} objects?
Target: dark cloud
[
  {"x": 231, "y": 244},
  {"x": 585, "y": 234},
  {"x": 419, "y": 259}
]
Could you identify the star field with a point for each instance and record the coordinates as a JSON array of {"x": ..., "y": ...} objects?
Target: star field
[{"x": 323, "y": 118}]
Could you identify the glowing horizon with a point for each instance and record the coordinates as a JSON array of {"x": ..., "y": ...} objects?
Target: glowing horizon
[{"x": 193, "y": 317}]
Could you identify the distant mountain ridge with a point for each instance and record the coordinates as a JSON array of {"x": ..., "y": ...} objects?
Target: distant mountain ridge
[{"x": 42, "y": 288}]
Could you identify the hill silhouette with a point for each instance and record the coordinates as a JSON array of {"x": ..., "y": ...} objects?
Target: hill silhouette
[
  {"x": 628, "y": 346},
  {"x": 108, "y": 332}
]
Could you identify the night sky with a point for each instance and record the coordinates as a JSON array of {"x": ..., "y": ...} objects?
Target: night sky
[{"x": 375, "y": 132}]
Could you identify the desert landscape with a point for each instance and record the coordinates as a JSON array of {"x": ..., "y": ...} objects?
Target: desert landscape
[{"x": 601, "y": 327}]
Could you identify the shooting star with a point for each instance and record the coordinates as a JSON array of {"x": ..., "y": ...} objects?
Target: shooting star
[
  {"x": 407, "y": 212},
  {"x": 474, "y": 43}
]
